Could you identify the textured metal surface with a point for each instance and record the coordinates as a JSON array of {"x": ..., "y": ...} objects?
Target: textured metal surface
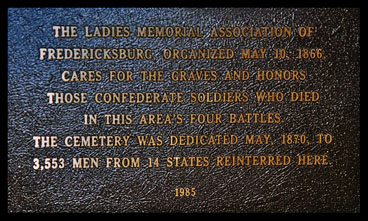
[{"x": 292, "y": 188}]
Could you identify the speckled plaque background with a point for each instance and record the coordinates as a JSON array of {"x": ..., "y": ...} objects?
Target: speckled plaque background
[{"x": 291, "y": 188}]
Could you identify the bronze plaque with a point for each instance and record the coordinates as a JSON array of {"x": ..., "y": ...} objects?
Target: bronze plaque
[{"x": 183, "y": 110}]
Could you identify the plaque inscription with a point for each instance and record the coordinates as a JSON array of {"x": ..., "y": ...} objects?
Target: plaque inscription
[{"x": 183, "y": 110}]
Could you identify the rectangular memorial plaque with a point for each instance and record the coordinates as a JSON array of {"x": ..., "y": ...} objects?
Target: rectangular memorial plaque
[{"x": 183, "y": 110}]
